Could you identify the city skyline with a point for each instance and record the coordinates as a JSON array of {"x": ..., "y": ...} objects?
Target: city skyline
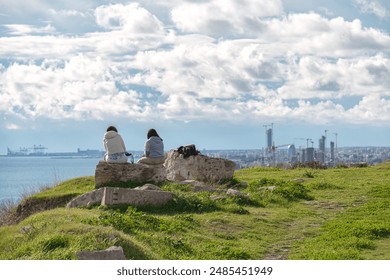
[{"x": 211, "y": 72}]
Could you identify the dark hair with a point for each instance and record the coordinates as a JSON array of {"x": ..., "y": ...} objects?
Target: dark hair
[
  {"x": 152, "y": 132},
  {"x": 111, "y": 128}
]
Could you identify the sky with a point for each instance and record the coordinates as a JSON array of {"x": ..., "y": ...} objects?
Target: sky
[{"x": 214, "y": 73}]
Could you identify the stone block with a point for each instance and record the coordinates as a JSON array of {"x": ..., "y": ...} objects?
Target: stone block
[
  {"x": 199, "y": 167},
  {"x": 112, "y": 253},
  {"x": 112, "y": 196},
  {"x": 87, "y": 199},
  {"x": 125, "y": 172}
]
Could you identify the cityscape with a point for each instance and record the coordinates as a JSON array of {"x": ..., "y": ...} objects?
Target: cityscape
[
  {"x": 324, "y": 154},
  {"x": 288, "y": 155}
]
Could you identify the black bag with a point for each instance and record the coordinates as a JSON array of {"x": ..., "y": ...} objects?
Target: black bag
[{"x": 188, "y": 150}]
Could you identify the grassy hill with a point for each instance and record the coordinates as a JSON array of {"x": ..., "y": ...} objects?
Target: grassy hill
[{"x": 340, "y": 213}]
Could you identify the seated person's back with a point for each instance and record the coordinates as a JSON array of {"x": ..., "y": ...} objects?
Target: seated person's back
[
  {"x": 154, "y": 149},
  {"x": 114, "y": 146}
]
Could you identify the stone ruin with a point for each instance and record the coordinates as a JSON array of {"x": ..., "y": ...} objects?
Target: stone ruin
[
  {"x": 199, "y": 167},
  {"x": 176, "y": 168},
  {"x": 148, "y": 194},
  {"x": 127, "y": 172}
]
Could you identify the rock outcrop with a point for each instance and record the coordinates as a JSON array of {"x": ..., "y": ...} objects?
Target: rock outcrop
[
  {"x": 175, "y": 168},
  {"x": 87, "y": 199},
  {"x": 106, "y": 173},
  {"x": 199, "y": 167}
]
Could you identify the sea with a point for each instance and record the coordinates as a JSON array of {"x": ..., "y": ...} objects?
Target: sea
[{"x": 20, "y": 176}]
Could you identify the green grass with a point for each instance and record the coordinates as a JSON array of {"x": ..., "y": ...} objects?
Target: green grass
[
  {"x": 340, "y": 213},
  {"x": 76, "y": 186}
]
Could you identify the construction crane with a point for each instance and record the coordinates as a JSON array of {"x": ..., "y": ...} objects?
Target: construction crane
[
  {"x": 307, "y": 141},
  {"x": 273, "y": 149},
  {"x": 38, "y": 149}
]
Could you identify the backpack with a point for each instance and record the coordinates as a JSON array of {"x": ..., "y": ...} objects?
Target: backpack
[{"x": 188, "y": 150}]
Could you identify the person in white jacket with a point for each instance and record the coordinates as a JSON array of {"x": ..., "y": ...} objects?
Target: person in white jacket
[{"x": 114, "y": 146}]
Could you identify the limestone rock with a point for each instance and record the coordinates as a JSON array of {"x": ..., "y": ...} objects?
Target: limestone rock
[
  {"x": 125, "y": 172},
  {"x": 87, "y": 199},
  {"x": 112, "y": 253},
  {"x": 133, "y": 197},
  {"x": 191, "y": 182},
  {"x": 269, "y": 188},
  {"x": 199, "y": 167},
  {"x": 148, "y": 187},
  {"x": 233, "y": 192}
]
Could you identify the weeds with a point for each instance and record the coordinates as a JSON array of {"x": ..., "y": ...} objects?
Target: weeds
[
  {"x": 7, "y": 212},
  {"x": 309, "y": 174},
  {"x": 269, "y": 190}
]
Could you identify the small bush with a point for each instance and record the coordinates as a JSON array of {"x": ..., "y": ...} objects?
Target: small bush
[
  {"x": 293, "y": 192},
  {"x": 308, "y": 174}
]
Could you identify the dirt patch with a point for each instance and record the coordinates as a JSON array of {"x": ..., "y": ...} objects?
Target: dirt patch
[
  {"x": 31, "y": 206},
  {"x": 328, "y": 205}
]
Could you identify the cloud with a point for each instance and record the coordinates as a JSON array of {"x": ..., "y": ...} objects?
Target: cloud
[
  {"x": 373, "y": 7},
  {"x": 312, "y": 34},
  {"x": 68, "y": 13},
  {"x": 12, "y": 126},
  {"x": 129, "y": 18},
  {"x": 23, "y": 29},
  {"x": 82, "y": 88},
  {"x": 258, "y": 64},
  {"x": 224, "y": 18}
]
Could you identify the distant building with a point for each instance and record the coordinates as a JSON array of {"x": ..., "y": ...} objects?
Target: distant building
[
  {"x": 292, "y": 154},
  {"x": 269, "y": 139},
  {"x": 321, "y": 152},
  {"x": 309, "y": 155},
  {"x": 332, "y": 157}
]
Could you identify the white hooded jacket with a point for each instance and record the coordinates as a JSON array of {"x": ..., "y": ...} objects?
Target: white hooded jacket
[{"x": 113, "y": 143}]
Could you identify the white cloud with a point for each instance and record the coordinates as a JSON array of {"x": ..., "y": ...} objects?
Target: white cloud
[
  {"x": 68, "y": 13},
  {"x": 23, "y": 29},
  {"x": 224, "y": 17},
  {"x": 373, "y": 7},
  {"x": 12, "y": 126},
  {"x": 315, "y": 35},
  {"x": 296, "y": 66},
  {"x": 129, "y": 18}
]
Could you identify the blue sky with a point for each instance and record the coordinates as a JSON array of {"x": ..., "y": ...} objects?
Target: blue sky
[{"x": 210, "y": 72}]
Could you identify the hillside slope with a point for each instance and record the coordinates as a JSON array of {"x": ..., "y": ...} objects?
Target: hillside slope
[{"x": 289, "y": 214}]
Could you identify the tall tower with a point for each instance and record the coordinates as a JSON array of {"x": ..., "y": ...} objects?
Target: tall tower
[
  {"x": 269, "y": 136},
  {"x": 309, "y": 155},
  {"x": 332, "y": 158},
  {"x": 321, "y": 153},
  {"x": 269, "y": 133}
]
